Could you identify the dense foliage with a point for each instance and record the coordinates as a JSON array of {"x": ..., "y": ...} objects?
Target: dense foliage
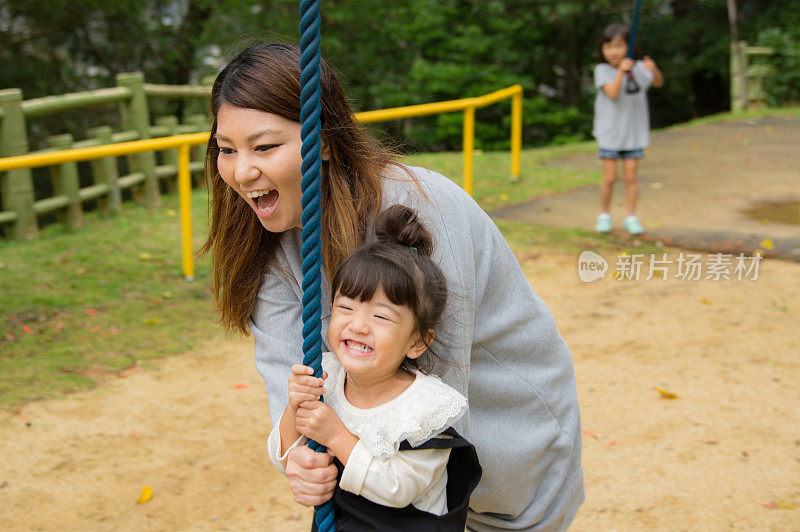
[{"x": 403, "y": 52}]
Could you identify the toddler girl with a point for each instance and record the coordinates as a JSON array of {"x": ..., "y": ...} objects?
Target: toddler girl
[{"x": 388, "y": 423}]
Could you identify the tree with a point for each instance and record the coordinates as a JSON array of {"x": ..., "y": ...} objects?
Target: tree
[{"x": 402, "y": 52}]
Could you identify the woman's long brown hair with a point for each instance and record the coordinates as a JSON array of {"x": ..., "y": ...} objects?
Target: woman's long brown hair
[{"x": 266, "y": 77}]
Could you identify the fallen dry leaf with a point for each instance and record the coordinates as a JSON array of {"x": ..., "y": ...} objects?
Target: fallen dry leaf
[
  {"x": 665, "y": 394},
  {"x": 781, "y": 505},
  {"x": 147, "y": 493}
]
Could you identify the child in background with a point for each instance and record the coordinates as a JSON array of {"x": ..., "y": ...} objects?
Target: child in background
[
  {"x": 621, "y": 121},
  {"x": 401, "y": 464}
]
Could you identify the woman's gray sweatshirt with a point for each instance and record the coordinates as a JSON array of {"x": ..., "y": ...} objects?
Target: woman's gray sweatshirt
[{"x": 500, "y": 340}]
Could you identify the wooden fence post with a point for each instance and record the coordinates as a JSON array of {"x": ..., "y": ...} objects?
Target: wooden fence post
[
  {"x": 170, "y": 157},
  {"x": 105, "y": 171},
  {"x": 16, "y": 186},
  {"x": 65, "y": 182},
  {"x": 199, "y": 122},
  {"x": 738, "y": 76},
  {"x": 136, "y": 116}
]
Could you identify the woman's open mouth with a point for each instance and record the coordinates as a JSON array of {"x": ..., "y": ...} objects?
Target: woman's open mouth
[{"x": 264, "y": 201}]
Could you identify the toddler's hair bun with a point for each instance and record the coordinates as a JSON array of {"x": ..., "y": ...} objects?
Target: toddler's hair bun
[{"x": 400, "y": 225}]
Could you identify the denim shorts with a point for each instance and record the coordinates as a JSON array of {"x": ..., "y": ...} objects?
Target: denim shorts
[{"x": 620, "y": 154}]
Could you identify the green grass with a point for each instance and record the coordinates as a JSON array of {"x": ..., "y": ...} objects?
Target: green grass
[
  {"x": 492, "y": 183},
  {"x": 524, "y": 238},
  {"x": 539, "y": 175},
  {"x": 82, "y": 306},
  {"x": 736, "y": 116},
  {"x": 89, "y": 303}
]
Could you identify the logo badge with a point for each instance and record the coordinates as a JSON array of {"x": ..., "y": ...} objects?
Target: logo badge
[{"x": 591, "y": 266}]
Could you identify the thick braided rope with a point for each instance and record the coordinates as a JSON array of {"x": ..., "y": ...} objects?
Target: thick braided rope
[
  {"x": 311, "y": 252},
  {"x": 634, "y": 27}
]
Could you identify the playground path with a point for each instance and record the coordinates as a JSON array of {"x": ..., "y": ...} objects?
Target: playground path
[
  {"x": 724, "y": 454},
  {"x": 696, "y": 184}
]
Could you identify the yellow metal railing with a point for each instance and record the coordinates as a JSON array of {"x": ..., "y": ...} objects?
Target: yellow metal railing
[
  {"x": 184, "y": 142},
  {"x": 468, "y": 105}
]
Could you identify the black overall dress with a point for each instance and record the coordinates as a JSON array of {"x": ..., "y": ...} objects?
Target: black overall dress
[{"x": 355, "y": 513}]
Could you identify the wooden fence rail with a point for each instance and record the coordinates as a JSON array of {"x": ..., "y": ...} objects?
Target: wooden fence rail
[{"x": 20, "y": 210}]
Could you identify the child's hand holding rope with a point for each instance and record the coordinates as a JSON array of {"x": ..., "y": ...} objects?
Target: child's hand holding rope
[
  {"x": 318, "y": 421},
  {"x": 303, "y": 386}
]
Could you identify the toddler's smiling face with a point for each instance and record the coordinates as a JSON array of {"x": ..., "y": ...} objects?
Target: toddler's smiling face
[{"x": 372, "y": 338}]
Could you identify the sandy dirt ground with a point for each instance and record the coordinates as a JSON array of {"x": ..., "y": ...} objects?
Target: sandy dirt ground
[{"x": 723, "y": 455}]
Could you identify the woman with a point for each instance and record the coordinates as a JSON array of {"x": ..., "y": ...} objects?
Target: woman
[{"x": 513, "y": 366}]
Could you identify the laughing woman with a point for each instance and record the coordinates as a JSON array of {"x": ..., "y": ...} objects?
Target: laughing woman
[{"x": 510, "y": 361}]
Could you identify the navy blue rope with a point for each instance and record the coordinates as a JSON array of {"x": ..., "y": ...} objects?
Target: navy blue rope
[
  {"x": 634, "y": 27},
  {"x": 311, "y": 251},
  {"x": 631, "y": 87}
]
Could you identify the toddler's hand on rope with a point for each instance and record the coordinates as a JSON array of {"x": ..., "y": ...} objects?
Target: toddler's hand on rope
[
  {"x": 626, "y": 65},
  {"x": 318, "y": 421},
  {"x": 303, "y": 386}
]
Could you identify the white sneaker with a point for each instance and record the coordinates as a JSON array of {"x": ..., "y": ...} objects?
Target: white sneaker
[
  {"x": 603, "y": 223},
  {"x": 633, "y": 225}
]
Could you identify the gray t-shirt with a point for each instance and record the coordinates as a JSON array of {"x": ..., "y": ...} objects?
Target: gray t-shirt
[
  {"x": 624, "y": 123},
  {"x": 509, "y": 360}
]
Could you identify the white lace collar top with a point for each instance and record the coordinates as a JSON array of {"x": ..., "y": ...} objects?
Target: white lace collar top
[{"x": 423, "y": 410}]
